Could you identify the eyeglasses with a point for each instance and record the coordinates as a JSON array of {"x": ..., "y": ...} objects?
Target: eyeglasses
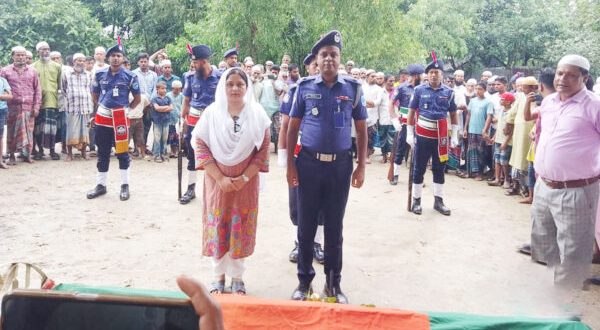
[{"x": 236, "y": 127}]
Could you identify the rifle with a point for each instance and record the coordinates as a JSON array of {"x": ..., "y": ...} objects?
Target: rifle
[
  {"x": 390, "y": 176},
  {"x": 410, "y": 175},
  {"x": 180, "y": 157}
]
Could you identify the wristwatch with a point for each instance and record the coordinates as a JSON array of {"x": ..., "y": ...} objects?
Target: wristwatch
[{"x": 246, "y": 179}]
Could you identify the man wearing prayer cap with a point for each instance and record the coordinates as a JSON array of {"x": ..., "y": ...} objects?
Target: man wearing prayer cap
[
  {"x": 325, "y": 105},
  {"x": 433, "y": 100},
  {"x": 400, "y": 100},
  {"x": 111, "y": 87},
  {"x": 231, "y": 57},
  {"x": 566, "y": 161},
  {"x": 199, "y": 92}
]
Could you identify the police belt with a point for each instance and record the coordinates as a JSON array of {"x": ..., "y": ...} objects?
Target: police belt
[
  {"x": 194, "y": 116},
  {"x": 104, "y": 116},
  {"x": 427, "y": 128},
  {"x": 326, "y": 157}
]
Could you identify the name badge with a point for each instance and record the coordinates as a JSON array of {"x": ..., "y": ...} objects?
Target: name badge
[
  {"x": 338, "y": 119},
  {"x": 195, "y": 95},
  {"x": 313, "y": 96},
  {"x": 315, "y": 111},
  {"x": 116, "y": 91}
]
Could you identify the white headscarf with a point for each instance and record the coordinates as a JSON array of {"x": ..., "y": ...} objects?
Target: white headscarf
[{"x": 215, "y": 127}]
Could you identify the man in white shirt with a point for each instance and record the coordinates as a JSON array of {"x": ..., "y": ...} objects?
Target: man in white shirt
[{"x": 374, "y": 96}]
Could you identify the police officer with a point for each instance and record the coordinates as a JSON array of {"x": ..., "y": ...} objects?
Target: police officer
[
  {"x": 231, "y": 58},
  {"x": 110, "y": 93},
  {"x": 433, "y": 101},
  {"x": 402, "y": 94},
  {"x": 325, "y": 106},
  {"x": 199, "y": 93},
  {"x": 284, "y": 109}
]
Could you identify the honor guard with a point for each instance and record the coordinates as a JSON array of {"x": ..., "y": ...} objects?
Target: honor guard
[
  {"x": 431, "y": 102},
  {"x": 325, "y": 106},
  {"x": 199, "y": 93},
  {"x": 110, "y": 92},
  {"x": 284, "y": 109},
  {"x": 402, "y": 94},
  {"x": 231, "y": 57}
]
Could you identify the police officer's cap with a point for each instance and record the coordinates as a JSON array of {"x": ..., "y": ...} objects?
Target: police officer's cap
[
  {"x": 333, "y": 38},
  {"x": 232, "y": 51},
  {"x": 200, "y": 52},
  {"x": 115, "y": 49},
  {"x": 308, "y": 59},
  {"x": 438, "y": 64},
  {"x": 415, "y": 69}
]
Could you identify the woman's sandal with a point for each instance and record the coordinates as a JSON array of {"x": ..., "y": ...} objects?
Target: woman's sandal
[
  {"x": 217, "y": 287},
  {"x": 237, "y": 287}
]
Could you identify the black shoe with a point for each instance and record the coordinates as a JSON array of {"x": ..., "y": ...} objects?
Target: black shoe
[
  {"x": 294, "y": 254},
  {"x": 416, "y": 206},
  {"x": 302, "y": 291},
  {"x": 54, "y": 155},
  {"x": 124, "y": 195},
  {"x": 440, "y": 207},
  {"x": 595, "y": 280},
  {"x": 525, "y": 249},
  {"x": 394, "y": 181},
  {"x": 38, "y": 155},
  {"x": 98, "y": 191},
  {"x": 189, "y": 194},
  {"x": 336, "y": 293},
  {"x": 318, "y": 253}
]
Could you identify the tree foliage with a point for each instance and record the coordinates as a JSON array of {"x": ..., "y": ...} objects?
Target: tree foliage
[{"x": 65, "y": 24}]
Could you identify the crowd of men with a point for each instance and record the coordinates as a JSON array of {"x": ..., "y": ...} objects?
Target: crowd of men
[{"x": 485, "y": 129}]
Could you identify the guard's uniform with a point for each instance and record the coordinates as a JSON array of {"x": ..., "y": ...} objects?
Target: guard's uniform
[
  {"x": 324, "y": 165},
  {"x": 113, "y": 91},
  {"x": 402, "y": 94},
  {"x": 432, "y": 107}
]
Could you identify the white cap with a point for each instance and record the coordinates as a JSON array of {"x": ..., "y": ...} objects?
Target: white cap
[
  {"x": 370, "y": 71},
  {"x": 40, "y": 45},
  {"x": 380, "y": 74},
  {"x": 99, "y": 49},
  {"x": 165, "y": 62},
  {"x": 472, "y": 81},
  {"x": 78, "y": 55},
  {"x": 355, "y": 70},
  {"x": 18, "y": 49},
  {"x": 28, "y": 53},
  {"x": 487, "y": 73},
  {"x": 55, "y": 53},
  {"x": 256, "y": 68},
  {"x": 459, "y": 72},
  {"x": 176, "y": 84},
  {"x": 576, "y": 60}
]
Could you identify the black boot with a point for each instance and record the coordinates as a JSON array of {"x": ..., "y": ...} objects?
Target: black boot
[
  {"x": 124, "y": 195},
  {"x": 294, "y": 254},
  {"x": 394, "y": 181},
  {"x": 302, "y": 291},
  {"x": 98, "y": 191},
  {"x": 440, "y": 207},
  {"x": 335, "y": 292},
  {"x": 416, "y": 206},
  {"x": 189, "y": 194},
  {"x": 318, "y": 253}
]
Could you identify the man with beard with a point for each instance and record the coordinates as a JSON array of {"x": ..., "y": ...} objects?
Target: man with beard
[
  {"x": 231, "y": 58},
  {"x": 168, "y": 77},
  {"x": 460, "y": 97},
  {"x": 46, "y": 124},
  {"x": 199, "y": 93},
  {"x": 24, "y": 105},
  {"x": 402, "y": 94},
  {"x": 75, "y": 86},
  {"x": 110, "y": 92}
]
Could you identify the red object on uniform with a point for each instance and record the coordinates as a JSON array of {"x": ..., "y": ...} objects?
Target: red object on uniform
[
  {"x": 119, "y": 40},
  {"x": 508, "y": 96},
  {"x": 433, "y": 56},
  {"x": 190, "y": 49},
  {"x": 237, "y": 46}
]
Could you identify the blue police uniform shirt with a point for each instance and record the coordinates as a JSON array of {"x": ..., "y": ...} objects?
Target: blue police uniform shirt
[
  {"x": 286, "y": 105},
  {"x": 433, "y": 103},
  {"x": 403, "y": 93},
  {"x": 316, "y": 104},
  {"x": 105, "y": 84},
  {"x": 160, "y": 118},
  {"x": 201, "y": 91}
]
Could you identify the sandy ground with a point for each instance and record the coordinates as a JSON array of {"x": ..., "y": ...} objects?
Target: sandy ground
[{"x": 463, "y": 263}]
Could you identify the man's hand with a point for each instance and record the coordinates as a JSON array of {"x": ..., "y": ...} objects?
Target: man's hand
[
  {"x": 503, "y": 146},
  {"x": 531, "y": 97},
  {"x": 370, "y": 104},
  {"x": 358, "y": 176},
  {"x": 208, "y": 310},
  {"x": 36, "y": 112},
  {"x": 292, "y": 175}
]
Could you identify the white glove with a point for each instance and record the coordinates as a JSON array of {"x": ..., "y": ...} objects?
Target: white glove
[
  {"x": 396, "y": 123},
  {"x": 454, "y": 139},
  {"x": 282, "y": 157},
  {"x": 410, "y": 135}
]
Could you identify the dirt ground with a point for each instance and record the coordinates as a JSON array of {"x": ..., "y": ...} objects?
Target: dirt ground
[{"x": 463, "y": 263}]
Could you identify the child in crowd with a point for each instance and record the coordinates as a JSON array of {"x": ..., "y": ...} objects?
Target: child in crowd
[
  {"x": 503, "y": 144},
  {"x": 176, "y": 98},
  {"x": 5, "y": 95},
  {"x": 161, "y": 108},
  {"x": 136, "y": 126}
]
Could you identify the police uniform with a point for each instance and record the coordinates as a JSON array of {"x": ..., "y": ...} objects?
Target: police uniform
[
  {"x": 231, "y": 52},
  {"x": 201, "y": 92},
  {"x": 403, "y": 93},
  {"x": 324, "y": 167},
  {"x": 432, "y": 106},
  {"x": 284, "y": 109},
  {"x": 112, "y": 123}
]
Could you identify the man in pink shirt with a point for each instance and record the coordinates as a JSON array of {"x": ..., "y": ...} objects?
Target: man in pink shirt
[{"x": 567, "y": 161}]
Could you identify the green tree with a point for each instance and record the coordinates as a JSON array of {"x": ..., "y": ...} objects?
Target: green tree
[{"x": 65, "y": 24}]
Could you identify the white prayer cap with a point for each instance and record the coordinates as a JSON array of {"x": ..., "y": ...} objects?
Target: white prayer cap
[
  {"x": 380, "y": 74},
  {"x": 165, "y": 62},
  {"x": 55, "y": 53},
  {"x": 78, "y": 55},
  {"x": 100, "y": 49},
  {"x": 486, "y": 73},
  {"x": 269, "y": 63},
  {"x": 40, "y": 45},
  {"x": 176, "y": 84},
  {"x": 459, "y": 72},
  {"x": 472, "y": 81},
  {"x": 28, "y": 53},
  {"x": 350, "y": 62},
  {"x": 355, "y": 70},
  {"x": 576, "y": 60},
  {"x": 343, "y": 72},
  {"x": 18, "y": 49},
  {"x": 370, "y": 71},
  {"x": 492, "y": 79},
  {"x": 256, "y": 68}
]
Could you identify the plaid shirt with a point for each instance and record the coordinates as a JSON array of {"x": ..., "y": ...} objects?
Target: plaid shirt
[
  {"x": 25, "y": 86},
  {"x": 77, "y": 90}
]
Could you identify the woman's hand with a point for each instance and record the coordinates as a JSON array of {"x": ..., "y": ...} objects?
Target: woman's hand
[
  {"x": 238, "y": 183},
  {"x": 226, "y": 184}
]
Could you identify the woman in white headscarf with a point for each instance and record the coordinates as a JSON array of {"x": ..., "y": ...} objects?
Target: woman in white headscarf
[{"x": 232, "y": 145}]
